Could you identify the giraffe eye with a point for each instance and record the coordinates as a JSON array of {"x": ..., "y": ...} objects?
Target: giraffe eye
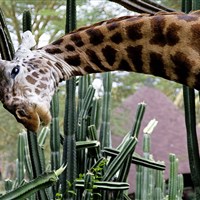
[{"x": 15, "y": 71}]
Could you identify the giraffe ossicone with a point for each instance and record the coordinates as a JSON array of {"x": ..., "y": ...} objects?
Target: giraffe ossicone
[
  {"x": 24, "y": 50},
  {"x": 165, "y": 45}
]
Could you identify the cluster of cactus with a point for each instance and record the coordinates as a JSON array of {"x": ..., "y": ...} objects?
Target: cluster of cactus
[
  {"x": 150, "y": 183},
  {"x": 19, "y": 189},
  {"x": 94, "y": 169}
]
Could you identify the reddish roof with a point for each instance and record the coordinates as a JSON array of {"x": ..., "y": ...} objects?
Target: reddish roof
[{"x": 170, "y": 134}]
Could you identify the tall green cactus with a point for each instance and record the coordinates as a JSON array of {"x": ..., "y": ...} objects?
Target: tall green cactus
[
  {"x": 95, "y": 113},
  {"x": 173, "y": 177},
  {"x": 105, "y": 132},
  {"x": 159, "y": 189},
  {"x": 88, "y": 186},
  {"x": 55, "y": 138},
  {"x": 150, "y": 183},
  {"x": 21, "y": 159},
  {"x": 83, "y": 83},
  {"x": 28, "y": 165},
  {"x": 69, "y": 146},
  {"x": 6, "y": 44}
]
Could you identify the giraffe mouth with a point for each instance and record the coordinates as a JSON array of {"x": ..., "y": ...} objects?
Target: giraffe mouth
[{"x": 31, "y": 116}]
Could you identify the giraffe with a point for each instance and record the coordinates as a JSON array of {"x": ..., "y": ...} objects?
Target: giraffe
[{"x": 165, "y": 45}]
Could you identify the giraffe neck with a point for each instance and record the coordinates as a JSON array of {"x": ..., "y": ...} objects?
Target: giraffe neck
[{"x": 165, "y": 45}]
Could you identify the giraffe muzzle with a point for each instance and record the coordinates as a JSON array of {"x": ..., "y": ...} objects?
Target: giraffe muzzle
[
  {"x": 31, "y": 116},
  {"x": 28, "y": 118}
]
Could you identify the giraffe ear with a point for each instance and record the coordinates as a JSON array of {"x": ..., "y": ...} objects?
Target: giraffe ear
[{"x": 196, "y": 12}]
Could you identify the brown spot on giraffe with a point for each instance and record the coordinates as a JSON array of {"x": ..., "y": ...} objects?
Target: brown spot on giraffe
[
  {"x": 49, "y": 63},
  {"x": 58, "y": 42},
  {"x": 32, "y": 65},
  {"x": 116, "y": 38},
  {"x": 31, "y": 80},
  {"x": 37, "y": 91},
  {"x": 195, "y": 40},
  {"x": 109, "y": 54},
  {"x": 70, "y": 47},
  {"x": 76, "y": 38},
  {"x": 183, "y": 66},
  {"x": 157, "y": 27},
  {"x": 73, "y": 60},
  {"x": 53, "y": 50},
  {"x": 134, "y": 31},
  {"x": 31, "y": 59},
  {"x": 93, "y": 58},
  {"x": 41, "y": 71},
  {"x": 89, "y": 69},
  {"x": 35, "y": 74},
  {"x": 157, "y": 64},
  {"x": 172, "y": 34},
  {"x": 124, "y": 65},
  {"x": 112, "y": 26},
  {"x": 44, "y": 79},
  {"x": 38, "y": 61},
  {"x": 135, "y": 55},
  {"x": 95, "y": 36},
  {"x": 35, "y": 66},
  {"x": 42, "y": 85},
  {"x": 46, "y": 70}
]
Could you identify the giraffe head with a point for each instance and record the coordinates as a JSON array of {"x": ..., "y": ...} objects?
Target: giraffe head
[
  {"x": 26, "y": 92},
  {"x": 28, "y": 82}
]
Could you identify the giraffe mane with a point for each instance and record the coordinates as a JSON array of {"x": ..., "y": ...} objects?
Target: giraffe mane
[
  {"x": 128, "y": 17},
  {"x": 100, "y": 23}
]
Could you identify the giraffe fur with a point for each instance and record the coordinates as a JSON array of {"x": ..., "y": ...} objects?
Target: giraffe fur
[{"x": 164, "y": 45}]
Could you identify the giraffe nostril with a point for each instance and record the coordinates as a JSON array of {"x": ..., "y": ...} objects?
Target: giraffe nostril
[{"x": 21, "y": 113}]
